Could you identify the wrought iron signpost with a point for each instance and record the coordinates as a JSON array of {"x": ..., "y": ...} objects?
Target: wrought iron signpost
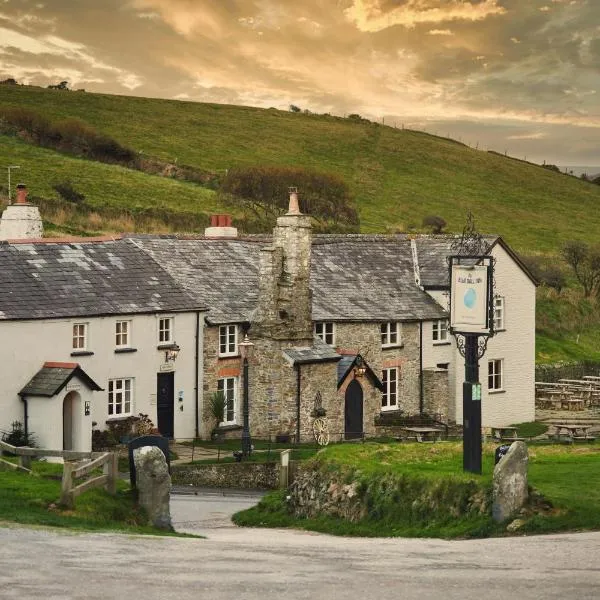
[{"x": 472, "y": 323}]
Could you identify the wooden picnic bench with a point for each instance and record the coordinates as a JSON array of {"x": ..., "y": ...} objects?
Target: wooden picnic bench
[
  {"x": 574, "y": 432},
  {"x": 506, "y": 434},
  {"x": 424, "y": 434}
]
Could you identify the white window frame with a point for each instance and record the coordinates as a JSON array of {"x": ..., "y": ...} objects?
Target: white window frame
[
  {"x": 389, "y": 397},
  {"x": 326, "y": 331},
  {"x": 439, "y": 331},
  {"x": 499, "y": 313},
  {"x": 496, "y": 375},
  {"x": 229, "y": 348},
  {"x": 166, "y": 335},
  {"x": 123, "y": 334},
  {"x": 120, "y": 396},
  {"x": 229, "y": 386},
  {"x": 389, "y": 331},
  {"x": 80, "y": 337}
]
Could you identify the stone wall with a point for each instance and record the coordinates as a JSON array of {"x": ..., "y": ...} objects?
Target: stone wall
[
  {"x": 228, "y": 475},
  {"x": 436, "y": 393}
]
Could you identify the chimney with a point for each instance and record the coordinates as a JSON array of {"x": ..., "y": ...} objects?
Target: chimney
[
  {"x": 220, "y": 227},
  {"x": 21, "y": 220},
  {"x": 21, "y": 194},
  {"x": 294, "y": 207}
]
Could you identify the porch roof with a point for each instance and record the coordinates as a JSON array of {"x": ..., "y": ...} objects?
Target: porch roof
[{"x": 53, "y": 377}]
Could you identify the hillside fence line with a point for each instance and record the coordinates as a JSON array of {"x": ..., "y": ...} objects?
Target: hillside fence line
[{"x": 552, "y": 373}]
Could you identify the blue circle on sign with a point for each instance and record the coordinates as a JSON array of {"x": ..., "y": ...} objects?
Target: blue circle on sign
[{"x": 470, "y": 297}]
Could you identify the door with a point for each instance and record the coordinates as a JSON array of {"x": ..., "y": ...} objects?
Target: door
[
  {"x": 68, "y": 414},
  {"x": 353, "y": 411},
  {"x": 165, "y": 403}
]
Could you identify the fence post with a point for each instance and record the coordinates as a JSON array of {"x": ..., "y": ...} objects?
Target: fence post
[
  {"x": 111, "y": 468},
  {"x": 25, "y": 462},
  {"x": 66, "y": 498},
  {"x": 284, "y": 469}
]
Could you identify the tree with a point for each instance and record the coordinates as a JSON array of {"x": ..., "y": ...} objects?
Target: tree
[
  {"x": 585, "y": 262},
  {"x": 294, "y": 108}
]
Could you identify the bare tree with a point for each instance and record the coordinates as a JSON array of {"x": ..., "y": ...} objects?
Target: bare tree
[{"x": 585, "y": 262}]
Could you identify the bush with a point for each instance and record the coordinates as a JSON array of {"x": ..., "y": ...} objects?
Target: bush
[
  {"x": 67, "y": 192},
  {"x": 549, "y": 274},
  {"x": 17, "y": 436},
  {"x": 436, "y": 223},
  {"x": 265, "y": 192}
]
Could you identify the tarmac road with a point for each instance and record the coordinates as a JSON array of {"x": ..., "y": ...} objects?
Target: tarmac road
[{"x": 238, "y": 563}]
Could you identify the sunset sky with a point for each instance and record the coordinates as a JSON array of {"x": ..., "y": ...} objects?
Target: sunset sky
[{"x": 521, "y": 76}]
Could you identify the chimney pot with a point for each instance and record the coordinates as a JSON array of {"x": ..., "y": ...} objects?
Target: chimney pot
[
  {"x": 214, "y": 220},
  {"x": 21, "y": 194},
  {"x": 294, "y": 207}
]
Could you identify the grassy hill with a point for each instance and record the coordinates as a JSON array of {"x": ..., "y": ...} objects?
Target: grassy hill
[{"x": 397, "y": 176}]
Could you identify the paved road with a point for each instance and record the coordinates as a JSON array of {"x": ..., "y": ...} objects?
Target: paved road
[{"x": 234, "y": 563}]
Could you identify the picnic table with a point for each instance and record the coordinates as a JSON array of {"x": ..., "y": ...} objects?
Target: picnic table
[
  {"x": 506, "y": 434},
  {"x": 424, "y": 434},
  {"x": 573, "y": 432}
]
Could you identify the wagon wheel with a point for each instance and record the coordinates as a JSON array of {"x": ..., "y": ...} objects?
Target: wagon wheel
[{"x": 321, "y": 431}]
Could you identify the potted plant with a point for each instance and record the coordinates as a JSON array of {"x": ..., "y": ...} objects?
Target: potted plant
[{"x": 216, "y": 407}]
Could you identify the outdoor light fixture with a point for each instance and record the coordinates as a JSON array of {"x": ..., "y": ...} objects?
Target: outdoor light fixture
[
  {"x": 359, "y": 369},
  {"x": 172, "y": 353},
  {"x": 246, "y": 348}
]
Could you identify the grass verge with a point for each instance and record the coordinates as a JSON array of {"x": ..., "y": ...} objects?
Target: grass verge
[{"x": 394, "y": 480}]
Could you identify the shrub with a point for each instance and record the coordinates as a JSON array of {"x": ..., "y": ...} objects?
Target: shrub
[
  {"x": 17, "y": 436},
  {"x": 67, "y": 192},
  {"x": 549, "y": 274},
  {"x": 216, "y": 406},
  {"x": 436, "y": 223}
]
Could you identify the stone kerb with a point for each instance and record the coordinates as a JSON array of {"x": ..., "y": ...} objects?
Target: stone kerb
[
  {"x": 510, "y": 488},
  {"x": 153, "y": 484}
]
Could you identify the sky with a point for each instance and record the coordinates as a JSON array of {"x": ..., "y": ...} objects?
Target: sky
[{"x": 515, "y": 76}]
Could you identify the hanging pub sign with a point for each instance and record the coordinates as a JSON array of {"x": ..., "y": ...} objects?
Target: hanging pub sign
[{"x": 471, "y": 295}]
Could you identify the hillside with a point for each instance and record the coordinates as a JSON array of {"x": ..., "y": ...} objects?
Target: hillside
[{"x": 397, "y": 176}]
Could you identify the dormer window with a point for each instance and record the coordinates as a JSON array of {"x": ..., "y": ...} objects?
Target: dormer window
[
  {"x": 228, "y": 340},
  {"x": 325, "y": 331},
  {"x": 390, "y": 334}
]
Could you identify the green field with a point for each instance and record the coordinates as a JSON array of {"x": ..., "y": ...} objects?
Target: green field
[{"x": 397, "y": 176}]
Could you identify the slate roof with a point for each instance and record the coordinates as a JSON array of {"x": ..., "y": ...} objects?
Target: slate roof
[
  {"x": 53, "y": 377},
  {"x": 353, "y": 277},
  {"x": 367, "y": 278},
  {"x": 69, "y": 279},
  {"x": 318, "y": 352}
]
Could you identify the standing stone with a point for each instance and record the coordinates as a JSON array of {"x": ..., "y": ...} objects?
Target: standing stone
[
  {"x": 153, "y": 484},
  {"x": 510, "y": 490}
]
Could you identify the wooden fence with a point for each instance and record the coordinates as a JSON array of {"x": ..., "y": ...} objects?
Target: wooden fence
[{"x": 71, "y": 470}]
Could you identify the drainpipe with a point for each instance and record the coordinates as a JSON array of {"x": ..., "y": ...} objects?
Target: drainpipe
[
  {"x": 421, "y": 393},
  {"x": 25, "y": 416},
  {"x": 298, "y": 403},
  {"x": 197, "y": 374}
]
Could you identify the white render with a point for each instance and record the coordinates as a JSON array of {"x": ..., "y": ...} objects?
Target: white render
[
  {"x": 515, "y": 346},
  {"x": 27, "y": 345},
  {"x": 21, "y": 221}
]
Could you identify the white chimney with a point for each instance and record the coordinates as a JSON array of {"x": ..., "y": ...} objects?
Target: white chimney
[{"x": 21, "y": 220}]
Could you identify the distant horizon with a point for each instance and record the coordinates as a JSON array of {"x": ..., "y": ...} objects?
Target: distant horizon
[{"x": 515, "y": 77}]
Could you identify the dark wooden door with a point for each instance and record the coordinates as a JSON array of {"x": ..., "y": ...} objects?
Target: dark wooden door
[
  {"x": 353, "y": 411},
  {"x": 165, "y": 403}
]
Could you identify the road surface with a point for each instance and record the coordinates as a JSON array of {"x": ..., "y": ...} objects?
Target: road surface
[{"x": 238, "y": 563}]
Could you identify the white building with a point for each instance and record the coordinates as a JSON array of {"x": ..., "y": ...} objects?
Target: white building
[{"x": 88, "y": 331}]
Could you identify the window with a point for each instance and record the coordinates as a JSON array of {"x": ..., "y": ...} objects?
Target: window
[
  {"x": 495, "y": 375},
  {"x": 389, "y": 399},
  {"x": 79, "y": 336},
  {"x": 228, "y": 386},
  {"x": 120, "y": 397},
  {"x": 390, "y": 334},
  {"x": 498, "y": 313},
  {"x": 439, "y": 331},
  {"x": 122, "y": 334},
  {"x": 165, "y": 330},
  {"x": 326, "y": 332},
  {"x": 228, "y": 345}
]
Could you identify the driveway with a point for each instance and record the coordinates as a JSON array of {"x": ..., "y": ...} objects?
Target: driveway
[{"x": 263, "y": 564}]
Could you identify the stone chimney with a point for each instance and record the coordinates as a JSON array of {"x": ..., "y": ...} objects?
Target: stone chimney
[
  {"x": 21, "y": 220},
  {"x": 220, "y": 227},
  {"x": 284, "y": 300}
]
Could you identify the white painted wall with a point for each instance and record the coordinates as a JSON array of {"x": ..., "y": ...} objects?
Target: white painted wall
[
  {"x": 515, "y": 346},
  {"x": 26, "y": 345}
]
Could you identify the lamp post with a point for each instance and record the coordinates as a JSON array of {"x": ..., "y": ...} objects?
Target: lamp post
[{"x": 246, "y": 348}]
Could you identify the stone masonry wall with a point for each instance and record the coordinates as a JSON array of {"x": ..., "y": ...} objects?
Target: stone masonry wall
[{"x": 436, "y": 393}]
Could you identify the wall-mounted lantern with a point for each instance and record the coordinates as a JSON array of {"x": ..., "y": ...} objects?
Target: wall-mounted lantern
[
  {"x": 172, "y": 353},
  {"x": 359, "y": 367}
]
